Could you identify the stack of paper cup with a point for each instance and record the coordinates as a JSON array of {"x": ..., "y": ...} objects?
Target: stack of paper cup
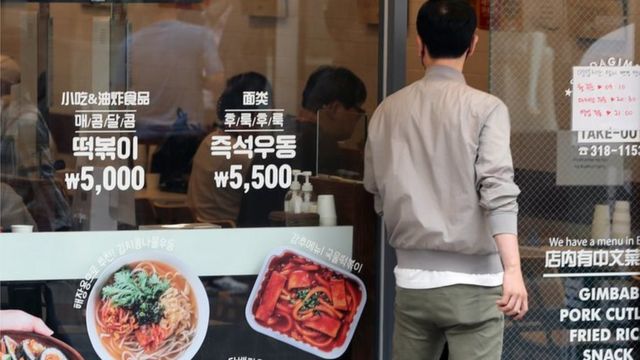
[
  {"x": 621, "y": 224},
  {"x": 327, "y": 210},
  {"x": 21, "y": 228},
  {"x": 601, "y": 225}
]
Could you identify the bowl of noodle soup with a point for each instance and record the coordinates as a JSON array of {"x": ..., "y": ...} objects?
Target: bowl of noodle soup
[{"x": 147, "y": 305}]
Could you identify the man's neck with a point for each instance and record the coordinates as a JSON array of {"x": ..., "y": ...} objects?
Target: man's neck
[{"x": 456, "y": 64}]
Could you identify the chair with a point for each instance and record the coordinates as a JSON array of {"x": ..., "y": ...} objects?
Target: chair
[
  {"x": 167, "y": 212},
  {"x": 177, "y": 212},
  {"x": 224, "y": 223}
]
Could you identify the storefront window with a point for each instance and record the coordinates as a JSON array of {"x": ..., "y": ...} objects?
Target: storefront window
[
  {"x": 138, "y": 139},
  {"x": 184, "y": 180},
  {"x": 577, "y": 203},
  {"x": 579, "y": 199}
]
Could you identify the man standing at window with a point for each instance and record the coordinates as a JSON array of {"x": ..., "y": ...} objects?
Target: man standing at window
[{"x": 439, "y": 164}]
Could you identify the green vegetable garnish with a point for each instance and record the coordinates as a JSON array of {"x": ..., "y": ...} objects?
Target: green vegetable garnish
[
  {"x": 138, "y": 293},
  {"x": 313, "y": 301},
  {"x": 301, "y": 294}
]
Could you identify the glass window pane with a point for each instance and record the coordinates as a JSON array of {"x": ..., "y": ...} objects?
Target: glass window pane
[{"x": 181, "y": 120}]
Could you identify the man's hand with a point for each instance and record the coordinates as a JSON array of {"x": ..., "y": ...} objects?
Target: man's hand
[
  {"x": 514, "y": 301},
  {"x": 21, "y": 321}
]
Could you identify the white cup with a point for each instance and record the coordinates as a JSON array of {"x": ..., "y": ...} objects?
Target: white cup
[
  {"x": 152, "y": 181},
  {"x": 601, "y": 224},
  {"x": 621, "y": 217},
  {"x": 620, "y": 230},
  {"x": 600, "y": 231},
  {"x": 21, "y": 228},
  {"x": 601, "y": 214},
  {"x": 622, "y": 206},
  {"x": 327, "y": 208},
  {"x": 328, "y": 221}
]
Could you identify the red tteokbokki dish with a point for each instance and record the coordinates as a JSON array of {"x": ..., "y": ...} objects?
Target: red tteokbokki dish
[{"x": 308, "y": 302}]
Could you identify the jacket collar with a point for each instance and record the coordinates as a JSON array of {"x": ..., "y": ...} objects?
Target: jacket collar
[{"x": 440, "y": 72}]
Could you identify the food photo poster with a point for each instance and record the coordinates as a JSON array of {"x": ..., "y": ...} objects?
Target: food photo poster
[{"x": 268, "y": 293}]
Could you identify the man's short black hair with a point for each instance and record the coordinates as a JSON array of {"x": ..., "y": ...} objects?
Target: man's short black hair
[
  {"x": 446, "y": 27},
  {"x": 232, "y": 96},
  {"x": 330, "y": 83}
]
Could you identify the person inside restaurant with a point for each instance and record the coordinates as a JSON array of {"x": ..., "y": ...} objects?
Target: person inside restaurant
[
  {"x": 331, "y": 107},
  {"x": 207, "y": 202},
  {"x": 27, "y": 153}
]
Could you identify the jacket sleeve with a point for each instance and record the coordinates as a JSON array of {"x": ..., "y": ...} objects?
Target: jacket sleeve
[
  {"x": 494, "y": 173},
  {"x": 370, "y": 181}
]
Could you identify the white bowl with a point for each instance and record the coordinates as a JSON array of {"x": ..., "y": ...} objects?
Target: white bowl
[
  {"x": 159, "y": 256},
  {"x": 336, "y": 352}
]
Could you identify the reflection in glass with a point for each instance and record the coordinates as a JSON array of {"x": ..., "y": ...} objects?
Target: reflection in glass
[
  {"x": 176, "y": 61},
  {"x": 27, "y": 150}
]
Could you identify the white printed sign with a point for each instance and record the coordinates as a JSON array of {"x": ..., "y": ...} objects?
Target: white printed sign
[
  {"x": 209, "y": 252},
  {"x": 606, "y": 98}
]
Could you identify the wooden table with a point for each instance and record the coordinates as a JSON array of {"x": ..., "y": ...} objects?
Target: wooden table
[{"x": 162, "y": 196}]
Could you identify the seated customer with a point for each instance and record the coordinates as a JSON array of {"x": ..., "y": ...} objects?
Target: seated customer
[
  {"x": 331, "y": 107},
  {"x": 12, "y": 209},
  {"x": 26, "y": 151},
  {"x": 207, "y": 202},
  {"x": 334, "y": 93},
  {"x": 24, "y": 134}
]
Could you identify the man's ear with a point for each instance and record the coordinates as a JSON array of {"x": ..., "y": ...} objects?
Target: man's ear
[
  {"x": 420, "y": 47},
  {"x": 474, "y": 44},
  {"x": 329, "y": 110}
]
